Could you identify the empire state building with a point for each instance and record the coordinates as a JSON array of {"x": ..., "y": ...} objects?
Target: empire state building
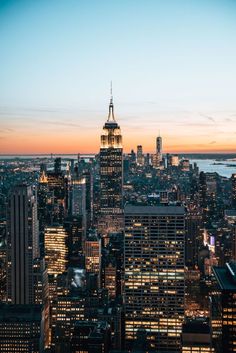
[{"x": 111, "y": 169}]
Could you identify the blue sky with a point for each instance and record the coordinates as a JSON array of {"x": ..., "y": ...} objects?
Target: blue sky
[{"x": 172, "y": 64}]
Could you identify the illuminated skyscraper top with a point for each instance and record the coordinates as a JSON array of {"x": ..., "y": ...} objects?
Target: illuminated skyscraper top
[
  {"x": 111, "y": 136},
  {"x": 111, "y": 166}
]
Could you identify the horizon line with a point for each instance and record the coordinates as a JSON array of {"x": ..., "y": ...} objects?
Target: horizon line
[{"x": 94, "y": 153}]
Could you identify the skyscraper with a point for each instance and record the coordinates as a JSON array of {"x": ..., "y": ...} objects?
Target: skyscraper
[
  {"x": 224, "y": 308},
  {"x": 140, "y": 157},
  {"x": 111, "y": 168},
  {"x": 22, "y": 245},
  {"x": 159, "y": 148},
  {"x": 92, "y": 250},
  {"x": 154, "y": 276},
  {"x": 233, "y": 180},
  {"x": 78, "y": 197},
  {"x": 157, "y": 156},
  {"x": 56, "y": 250}
]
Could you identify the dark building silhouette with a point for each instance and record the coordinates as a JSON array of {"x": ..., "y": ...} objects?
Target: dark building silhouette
[
  {"x": 233, "y": 181},
  {"x": 22, "y": 245},
  {"x": 224, "y": 308}
]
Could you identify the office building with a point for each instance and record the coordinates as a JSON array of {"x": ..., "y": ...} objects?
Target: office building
[
  {"x": 56, "y": 249},
  {"x": 140, "y": 156},
  {"x": 3, "y": 262},
  {"x": 233, "y": 181},
  {"x": 159, "y": 147},
  {"x": 92, "y": 252},
  {"x": 88, "y": 175},
  {"x": 53, "y": 195},
  {"x": 174, "y": 160},
  {"x": 224, "y": 308},
  {"x": 112, "y": 265},
  {"x": 91, "y": 337},
  {"x": 22, "y": 245},
  {"x": 75, "y": 229},
  {"x": 20, "y": 328},
  {"x": 196, "y": 336},
  {"x": 185, "y": 165},
  {"x": 154, "y": 283},
  {"x": 157, "y": 157},
  {"x": 193, "y": 236}
]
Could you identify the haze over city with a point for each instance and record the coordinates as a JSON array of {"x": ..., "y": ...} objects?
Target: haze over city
[{"x": 172, "y": 64}]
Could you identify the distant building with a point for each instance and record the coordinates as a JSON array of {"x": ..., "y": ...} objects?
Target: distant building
[
  {"x": 57, "y": 165},
  {"x": 233, "y": 181},
  {"x": 154, "y": 276},
  {"x": 88, "y": 175},
  {"x": 157, "y": 157},
  {"x": 185, "y": 165},
  {"x": 140, "y": 156},
  {"x": 230, "y": 216},
  {"x": 174, "y": 160},
  {"x": 159, "y": 147},
  {"x": 53, "y": 195}
]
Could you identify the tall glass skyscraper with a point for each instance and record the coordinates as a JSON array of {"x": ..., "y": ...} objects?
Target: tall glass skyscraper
[{"x": 154, "y": 276}]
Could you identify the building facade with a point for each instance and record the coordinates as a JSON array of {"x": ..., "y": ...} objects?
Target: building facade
[
  {"x": 111, "y": 172},
  {"x": 224, "y": 308},
  {"x": 22, "y": 245},
  {"x": 154, "y": 276}
]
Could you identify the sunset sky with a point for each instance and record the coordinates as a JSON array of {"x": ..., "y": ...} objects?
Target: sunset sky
[{"x": 172, "y": 63}]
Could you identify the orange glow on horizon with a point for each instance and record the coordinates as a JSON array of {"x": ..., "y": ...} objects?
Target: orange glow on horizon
[{"x": 76, "y": 143}]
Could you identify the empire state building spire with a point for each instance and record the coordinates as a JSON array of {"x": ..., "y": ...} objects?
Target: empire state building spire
[
  {"x": 111, "y": 116},
  {"x": 111, "y": 168}
]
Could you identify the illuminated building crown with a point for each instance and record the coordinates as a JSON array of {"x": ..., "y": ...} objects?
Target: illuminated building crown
[{"x": 111, "y": 136}]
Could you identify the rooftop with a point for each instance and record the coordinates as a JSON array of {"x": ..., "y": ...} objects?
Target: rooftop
[
  {"x": 230, "y": 213},
  {"x": 196, "y": 325},
  {"x": 155, "y": 210},
  {"x": 17, "y": 312},
  {"x": 226, "y": 276}
]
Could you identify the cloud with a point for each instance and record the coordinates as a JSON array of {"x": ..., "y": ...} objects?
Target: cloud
[
  {"x": 212, "y": 142},
  {"x": 208, "y": 117},
  {"x": 195, "y": 124},
  {"x": 6, "y": 130},
  {"x": 60, "y": 123}
]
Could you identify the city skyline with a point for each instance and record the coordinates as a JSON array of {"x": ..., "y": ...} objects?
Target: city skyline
[
  {"x": 172, "y": 67},
  {"x": 117, "y": 176}
]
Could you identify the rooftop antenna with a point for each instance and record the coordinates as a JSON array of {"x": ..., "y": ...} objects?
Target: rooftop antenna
[
  {"x": 111, "y": 107},
  {"x": 111, "y": 91}
]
